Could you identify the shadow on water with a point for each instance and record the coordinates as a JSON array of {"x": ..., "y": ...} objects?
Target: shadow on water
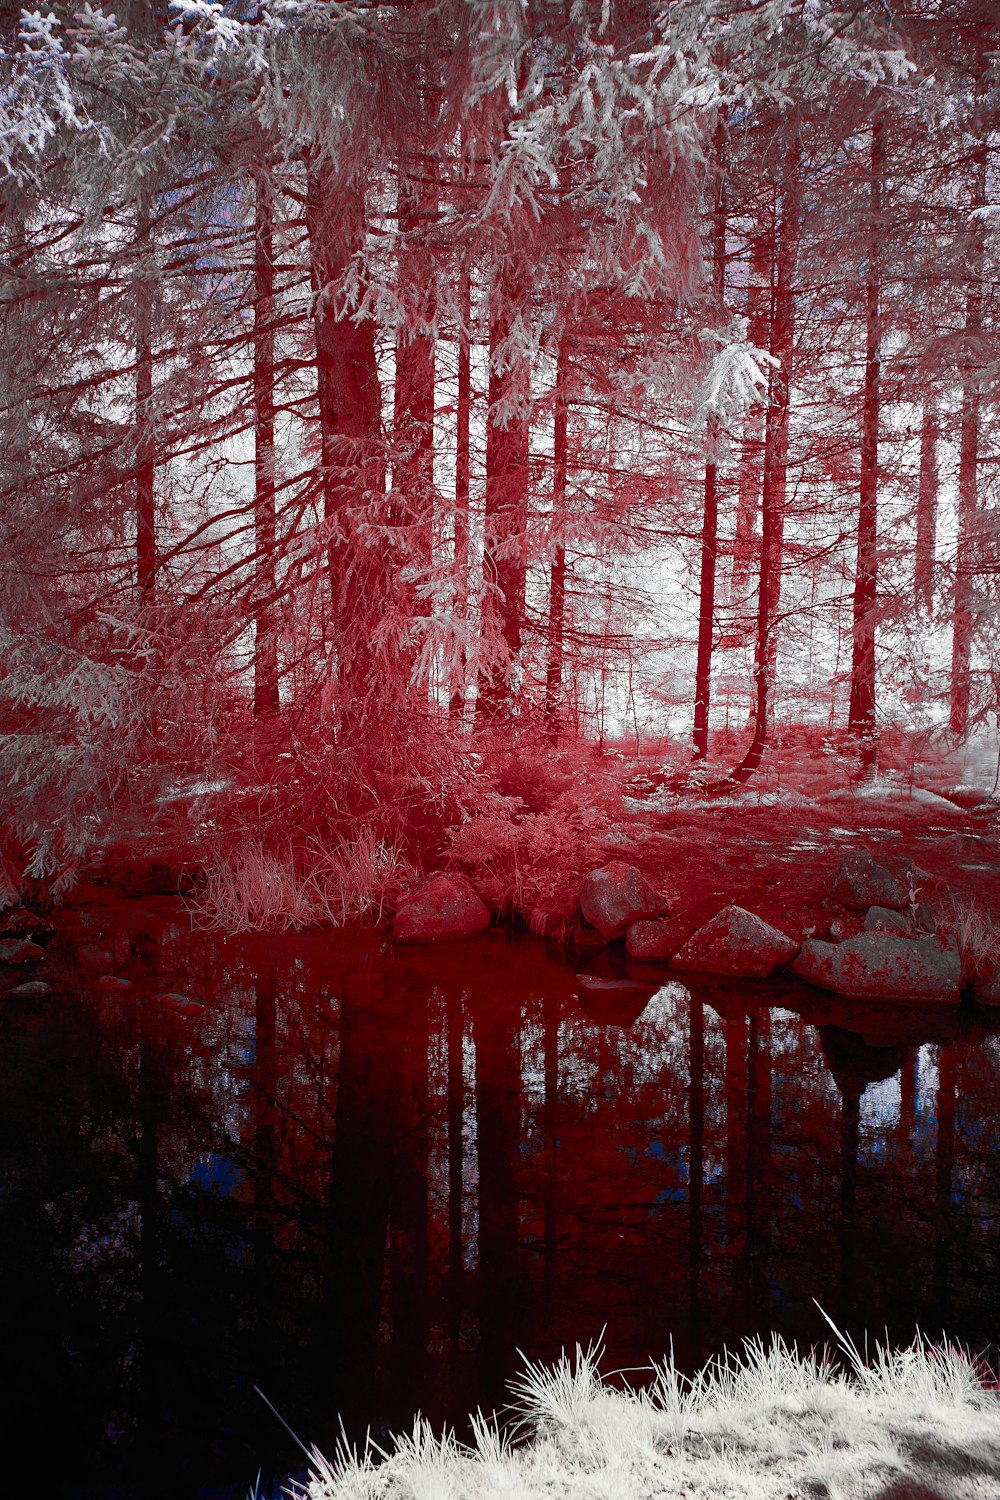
[{"x": 363, "y": 1180}]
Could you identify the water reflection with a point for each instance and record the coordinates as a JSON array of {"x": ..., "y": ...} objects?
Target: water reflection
[{"x": 362, "y": 1181}]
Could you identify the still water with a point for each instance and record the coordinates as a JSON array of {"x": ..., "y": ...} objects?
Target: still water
[{"x": 362, "y": 1180}]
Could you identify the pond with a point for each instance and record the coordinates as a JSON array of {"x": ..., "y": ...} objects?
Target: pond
[{"x": 360, "y": 1181}]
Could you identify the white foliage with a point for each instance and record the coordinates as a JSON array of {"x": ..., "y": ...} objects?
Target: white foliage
[{"x": 761, "y": 1426}]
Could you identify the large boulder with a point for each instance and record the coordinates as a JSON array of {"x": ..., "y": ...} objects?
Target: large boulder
[
  {"x": 860, "y": 883},
  {"x": 736, "y": 942},
  {"x": 650, "y": 940},
  {"x": 882, "y": 966},
  {"x": 616, "y": 895},
  {"x": 444, "y": 906}
]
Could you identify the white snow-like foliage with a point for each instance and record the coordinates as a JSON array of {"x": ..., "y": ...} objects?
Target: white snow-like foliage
[
  {"x": 737, "y": 375},
  {"x": 765, "y": 1425}
]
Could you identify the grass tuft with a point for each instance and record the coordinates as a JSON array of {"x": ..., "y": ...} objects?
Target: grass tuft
[{"x": 761, "y": 1425}]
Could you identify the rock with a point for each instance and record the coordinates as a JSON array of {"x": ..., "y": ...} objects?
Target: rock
[
  {"x": 444, "y": 906},
  {"x": 113, "y": 982},
  {"x": 860, "y": 882},
  {"x": 20, "y": 951},
  {"x": 650, "y": 941},
  {"x": 882, "y": 966},
  {"x": 883, "y": 919},
  {"x": 182, "y": 1005},
  {"x": 736, "y": 942},
  {"x": 31, "y": 989},
  {"x": 986, "y": 989},
  {"x": 21, "y": 923},
  {"x": 616, "y": 895}
]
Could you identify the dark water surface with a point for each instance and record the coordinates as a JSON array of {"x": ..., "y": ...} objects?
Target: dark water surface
[{"x": 363, "y": 1180}]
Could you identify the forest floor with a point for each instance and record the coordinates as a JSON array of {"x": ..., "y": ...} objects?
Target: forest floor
[{"x": 775, "y": 845}]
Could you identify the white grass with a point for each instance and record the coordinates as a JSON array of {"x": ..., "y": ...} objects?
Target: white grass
[
  {"x": 766, "y": 1425},
  {"x": 256, "y": 890}
]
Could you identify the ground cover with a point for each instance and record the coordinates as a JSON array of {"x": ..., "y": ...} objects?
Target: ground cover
[{"x": 921, "y": 1423}]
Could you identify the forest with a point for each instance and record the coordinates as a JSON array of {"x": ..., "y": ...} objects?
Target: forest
[{"x": 424, "y": 425}]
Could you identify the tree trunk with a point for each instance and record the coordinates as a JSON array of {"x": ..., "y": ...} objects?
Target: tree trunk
[
  {"x": 710, "y": 522},
  {"x": 265, "y": 679},
  {"x": 506, "y": 502},
  {"x": 927, "y": 500},
  {"x": 350, "y": 409},
  {"x": 463, "y": 416},
  {"x": 963, "y": 618},
  {"x": 413, "y": 504},
  {"x": 861, "y": 713},
  {"x": 145, "y": 499},
  {"x": 760, "y": 295},
  {"x": 775, "y": 453},
  {"x": 557, "y": 573}
]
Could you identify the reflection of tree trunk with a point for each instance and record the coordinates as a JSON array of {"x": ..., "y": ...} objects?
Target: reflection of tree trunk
[
  {"x": 154, "y": 1365},
  {"x": 456, "y": 1112},
  {"x": 908, "y": 1107},
  {"x": 736, "y": 1141},
  {"x": 265, "y": 1165},
  {"x": 550, "y": 1122},
  {"x": 944, "y": 1170},
  {"x": 498, "y": 1121},
  {"x": 710, "y": 516},
  {"x": 758, "y": 1144},
  {"x": 849, "y": 1139},
  {"x": 265, "y": 661},
  {"x": 696, "y": 1131},
  {"x": 775, "y": 456},
  {"x": 409, "y": 1252},
  {"x": 361, "y": 1172}
]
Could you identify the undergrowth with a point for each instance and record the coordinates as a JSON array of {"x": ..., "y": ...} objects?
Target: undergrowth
[{"x": 762, "y": 1425}]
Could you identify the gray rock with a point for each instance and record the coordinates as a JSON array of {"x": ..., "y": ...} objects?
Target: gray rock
[
  {"x": 860, "y": 882},
  {"x": 650, "y": 940},
  {"x": 444, "y": 906},
  {"x": 882, "y": 919},
  {"x": 20, "y": 951},
  {"x": 882, "y": 966},
  {"x": 616, "y": 895},
  {"x": 113, "y": 982},
  {"x": 736, "y": 942},
  {"x": 986, "y": 989},
  {"x": 31, "y": 989}
]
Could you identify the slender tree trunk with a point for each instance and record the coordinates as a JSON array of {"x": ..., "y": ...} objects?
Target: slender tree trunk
[
  {"x": 927, "y": 501},
  {"x": 557, "y": 572},
  {"x": 861, "y": 713},
  {"x": 775, "y": 454},
  {"x": 265, "y": 680},
  {"x": 413, "y": 505},
  {"x": 710, "y": 522},
  {"x": 463, "y": 417},
  {"x": 145, "y": 498},
  {"x": 506, "y": 519},
  {"x": 350, "y": 408},
  {"x": 760, "y": 293},
  {"x": 963, "y": 618}
]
